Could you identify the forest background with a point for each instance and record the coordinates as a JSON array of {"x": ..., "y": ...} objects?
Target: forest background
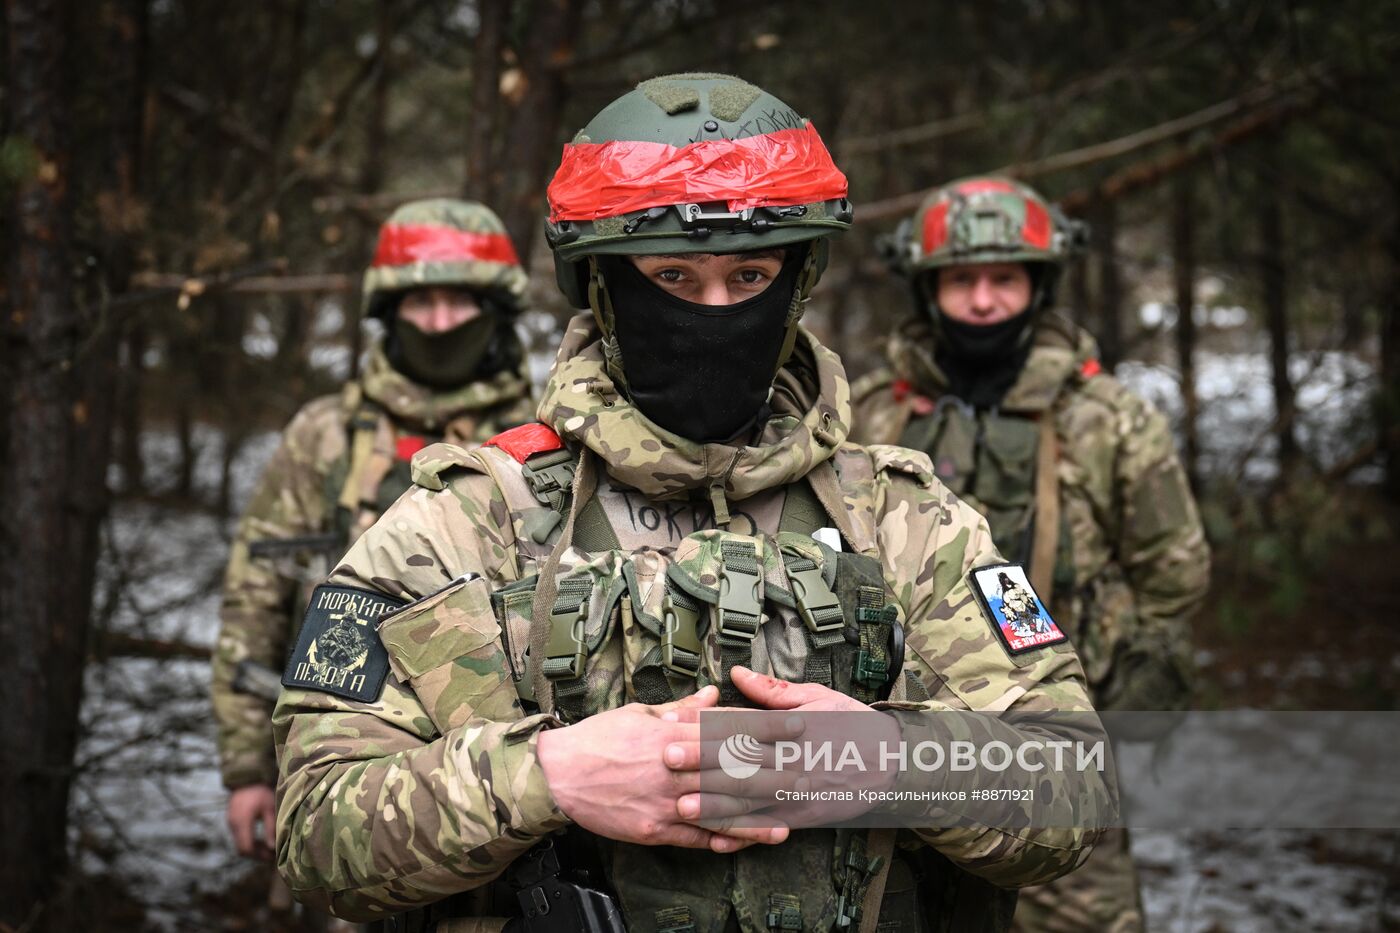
[{"x": 193, "y": 188}]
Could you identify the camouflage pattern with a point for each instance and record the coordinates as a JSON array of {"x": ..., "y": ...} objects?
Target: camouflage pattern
[
  {"x": 436, "y": 264},
  {"x": 1133, "y": 563},
  {"x": 296, "y": 498},
  {"x": 435, "y": 788},
  {"x": 1103, "y": 895},
  {"x": 982, "y": 219}
]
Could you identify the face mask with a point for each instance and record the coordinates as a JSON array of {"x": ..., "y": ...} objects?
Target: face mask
[
  {"x": 983, "y": 343},
  {"x": 443, "y": 360},
  {"x": 700, "y": 371}
]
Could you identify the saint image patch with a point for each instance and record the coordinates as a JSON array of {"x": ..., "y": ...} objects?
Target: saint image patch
[
  {"x": 1014, "y": 609},
  {"x": 338, "y": 650}
]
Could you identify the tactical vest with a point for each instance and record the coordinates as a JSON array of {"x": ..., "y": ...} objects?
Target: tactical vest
[
  {"x": 1005, "y": 466},
  {"x": 611, "y": 626}
]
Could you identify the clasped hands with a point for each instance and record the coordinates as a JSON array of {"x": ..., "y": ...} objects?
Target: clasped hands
[{"x": 635, "y": 774}]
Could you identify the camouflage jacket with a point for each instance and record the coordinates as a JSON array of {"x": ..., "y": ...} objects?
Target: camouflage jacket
[
  {"x": 1132, "y": 562},
  {"x": 297, "y": 499},
  {"x": 434, "y": 787}
]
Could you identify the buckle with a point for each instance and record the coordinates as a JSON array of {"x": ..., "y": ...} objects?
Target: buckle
[
  {"x": 740, "y": 601},
  {"x": 871, "y": 672},
  {"x": 550, "y": 476},
  {"x": 566, "y": 653},
  {"x": 815, "y": 600},
  {"x": 680, "y": 637}
]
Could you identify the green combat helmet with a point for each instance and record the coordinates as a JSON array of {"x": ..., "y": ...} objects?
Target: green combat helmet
[
  {"x": 986, "y": 219},
  {"x": 691, "y": 163},
  {"x": 443, "y": 242}
]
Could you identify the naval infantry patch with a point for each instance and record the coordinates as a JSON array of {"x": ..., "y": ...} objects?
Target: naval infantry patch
[
  {"x": 1013, "y": 608},
  {"x": 338, "y": 650}
]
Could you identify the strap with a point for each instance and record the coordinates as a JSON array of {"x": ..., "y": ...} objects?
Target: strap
[
  {"x": 1046, "y": 534},
  {"x": 802, "y": 513},
  {"x": 739, "y": 612},
  {"x": 874, "y": 665},
  {"x": 364, "y": 424},
  {"x": 593, "y": 532},
  {"x": 585, "y": 481},
  {"x": 820, "y": 610},
  {"x": 878, "y": 845},
  {"x": 784, "y": 912},
  {"x": 828, "y": 493}
]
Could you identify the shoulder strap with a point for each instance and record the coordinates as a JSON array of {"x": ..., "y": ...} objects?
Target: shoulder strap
[{"x": 1045, "y": 536}]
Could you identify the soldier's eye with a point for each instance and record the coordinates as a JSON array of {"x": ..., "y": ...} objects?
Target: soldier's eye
[
  {"x": 751, "y": 276},
  {"x": 670, "y": 275}
]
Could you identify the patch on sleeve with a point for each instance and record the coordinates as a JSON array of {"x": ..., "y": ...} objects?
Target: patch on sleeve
[
  {"x": 338, "y": 650},
  {"x": 1013, "y": 608}
]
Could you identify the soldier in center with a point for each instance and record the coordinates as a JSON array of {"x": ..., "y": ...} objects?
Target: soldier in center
[{"x": 500, "y": 679}]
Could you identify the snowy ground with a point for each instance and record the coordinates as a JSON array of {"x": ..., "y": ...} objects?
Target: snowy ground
[{"x": 149, "y": 809}]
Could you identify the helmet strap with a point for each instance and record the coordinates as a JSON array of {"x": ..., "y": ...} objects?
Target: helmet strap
[
  {"x": 601, "y": 303},
  {"x": 806, "y": 280}
]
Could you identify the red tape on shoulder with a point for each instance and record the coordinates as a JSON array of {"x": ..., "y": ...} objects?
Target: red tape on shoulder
[
  {"x": 1090, "y": 369},
  {"x": 408, "y": 445},
  {"x": 527, "y": 440}
]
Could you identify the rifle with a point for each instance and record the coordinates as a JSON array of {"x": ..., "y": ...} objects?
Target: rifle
[{"x": 276, "y": 547}]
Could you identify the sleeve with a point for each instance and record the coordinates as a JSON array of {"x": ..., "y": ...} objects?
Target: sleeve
[
  {"x": 1162, "y": 549},
  {"x": 255, "y": 616},
  {"x": 391, "y": 804},
  {"x": 933, "y": 541}
]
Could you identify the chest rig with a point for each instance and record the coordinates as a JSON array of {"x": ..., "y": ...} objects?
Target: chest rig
[
  {"x": 612, "y": 625},
  {"x": 1004, "y": 464}
]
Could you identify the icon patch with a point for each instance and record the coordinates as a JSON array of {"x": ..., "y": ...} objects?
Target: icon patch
[
  {"x": 1014, "y": 609},
  {"x": 338, "y": 650}
]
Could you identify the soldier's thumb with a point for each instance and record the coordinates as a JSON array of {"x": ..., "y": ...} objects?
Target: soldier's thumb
[{"x": 700, "y": 699}]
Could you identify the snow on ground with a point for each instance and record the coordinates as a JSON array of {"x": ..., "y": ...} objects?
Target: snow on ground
[{"x": 1237, "y": 406}]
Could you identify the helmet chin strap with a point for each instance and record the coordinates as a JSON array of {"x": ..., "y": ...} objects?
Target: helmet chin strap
[
  {"x": 601, "y": 303},
  {"x": 806, "y": 279}
]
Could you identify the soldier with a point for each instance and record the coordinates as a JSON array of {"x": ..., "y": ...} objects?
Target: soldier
[
  {"x": 544, "y": 616},
  {"x": 446, "y": 284},
  {"x": 1077, "y": 476}
]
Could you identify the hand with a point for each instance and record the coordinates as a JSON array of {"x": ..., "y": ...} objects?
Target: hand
[
  {"x": 246, "y": 807},
  {"x": 725, "y": 799},
  {"x": 608, "y": 774}
]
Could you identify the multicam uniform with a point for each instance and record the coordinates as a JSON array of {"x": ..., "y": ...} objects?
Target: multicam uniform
[
  {"x": 601, "y": 550},
  {"x": 1079, "y": 479},
  {"x": 343, "y": 459}
]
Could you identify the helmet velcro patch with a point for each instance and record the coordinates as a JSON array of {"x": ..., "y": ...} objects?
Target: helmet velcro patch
[
  {"x": 671, "y": 96},
  {"x": 729, "y": 100}
]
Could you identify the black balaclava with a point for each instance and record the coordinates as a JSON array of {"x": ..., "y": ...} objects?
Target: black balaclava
[
  {"x": 478, "y": 348},
  {"x": 700, "y": 371},
  {"x": 982, "y": 361}
]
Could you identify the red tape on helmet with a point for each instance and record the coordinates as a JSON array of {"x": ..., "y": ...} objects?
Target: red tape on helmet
[
  {"x": 773, "y": 170},
  {"x": 405, "y": 244}
]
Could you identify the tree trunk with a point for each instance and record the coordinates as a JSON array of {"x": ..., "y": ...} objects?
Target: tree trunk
[
  {"x": 1184, "y": 267},
  {"x": 52, "y": 465},
  {"x": 533, "y": 119},
  {"x": 1274, "y": 287},
  {"x": 1110, "y": 304},
  {"x": 1388, "y": 401},
  {"x": 484, "y": 172}
]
